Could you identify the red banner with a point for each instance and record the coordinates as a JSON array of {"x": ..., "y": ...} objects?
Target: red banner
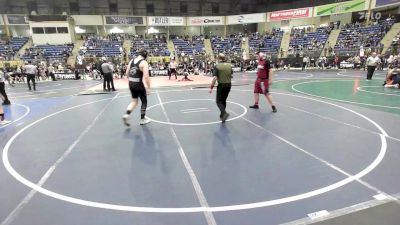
[{"x": 289, "y": 14}]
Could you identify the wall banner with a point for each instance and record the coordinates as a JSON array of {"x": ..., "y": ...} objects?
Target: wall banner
[
  {"x": 165, "y": 21},
  {"x": 246, "y": 18},
  {"x": 124, "y": 20},
  {"x": 342, "y": 7},
  {"x": 289, "y": 14},
  {"x": 206, "y": 21}
]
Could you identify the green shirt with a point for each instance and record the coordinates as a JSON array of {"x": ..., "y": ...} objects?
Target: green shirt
[{"x": 223, "y": 72}]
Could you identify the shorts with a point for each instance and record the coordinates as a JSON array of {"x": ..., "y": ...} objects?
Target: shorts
[
  {"x": 261, "y": 86},
  {"x": 137, "y": 89},
  {"x": 173, "y": 71},
  {"x": 396, "y": 79}
]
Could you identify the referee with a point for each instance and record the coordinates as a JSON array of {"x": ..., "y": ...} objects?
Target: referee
[
  {"x": 31, "y": 71},
  {"x": 223, "y": 74}
]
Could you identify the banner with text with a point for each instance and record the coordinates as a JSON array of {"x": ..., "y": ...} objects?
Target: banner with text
[
  {"x": 165, "y": 21},
  {"x": 246, "y": 18},
  {"x": 124, "y": 20},
  {"x": 386, "y": 2},
  {"x": 342, "y": 7},
  {"x": 290, "y": 14},
  {"x": 206, "y": 21},
  {"x": 17, "y": 19}
]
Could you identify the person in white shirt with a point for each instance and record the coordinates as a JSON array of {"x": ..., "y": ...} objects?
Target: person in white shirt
[
  {"x": 390, "y": 60},
  {"x": 372, "y": 62},
  {"x": 305, "y": 62},
  {"x": 108, "y": 70},
  {"x": 60, "y": 67},
  {"x": 51, "y": 69},
  {"x": 3, "y": 93},
  {"x": 31, "y": 71},
  {"x": 2, "y": 117},
  {"x": 172, "y": 69}
]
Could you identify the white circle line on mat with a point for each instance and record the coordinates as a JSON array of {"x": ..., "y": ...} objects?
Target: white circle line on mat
[
  {"x": 87, "y": 203},
  {"x": 195, "y": 124}
]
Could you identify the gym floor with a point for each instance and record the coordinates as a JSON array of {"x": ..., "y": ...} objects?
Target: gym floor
[{"x": 68, "y": 159}]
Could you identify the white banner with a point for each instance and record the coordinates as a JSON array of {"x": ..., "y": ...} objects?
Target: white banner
[
  {"x": 236, "y": 69},
  {"x": 246, "y": 18},
  {"x": 87, "y": 20},
  {"x": 159, "y": 72},
  {"x": 206, "y": 21},
  {"x": 165, "y": 21}
]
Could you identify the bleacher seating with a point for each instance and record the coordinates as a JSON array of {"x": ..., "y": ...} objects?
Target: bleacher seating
[
  {"x": 301, "y": 40},
  {"x": 101, "y": 47},
  {"x": 48, "y": 52},
  {"x": 154, "y": 47},
  {"x": 394, "y": 46},
  {"x": 9, "y": 49},
  {"x": 269, "y": 43},
  {"x": 352, "y": 36},
  {"x": 228, "y": 45},
  {"x": 194, "y": 47}
]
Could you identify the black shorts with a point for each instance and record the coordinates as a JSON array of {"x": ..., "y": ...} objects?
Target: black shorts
[
  {"x": 173, "y": 70},
  {"x": 396, "y": 79},
  {"x": 137, "y": 89}
]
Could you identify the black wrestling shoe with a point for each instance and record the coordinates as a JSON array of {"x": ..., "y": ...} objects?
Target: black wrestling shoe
[
  {"x": 274, "y": 110},
  {"x": 255, "y": 106},
  {"x": 225, "y": 117}
]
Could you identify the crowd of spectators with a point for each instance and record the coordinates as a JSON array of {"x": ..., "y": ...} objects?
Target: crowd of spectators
[
  {"x": 303, "y": 40},
  {"x": 9, "y": 48},
  {"x": 97, "y": 46},
  {"x": 230, "y": 45},
  {"x": 353, "y": 36},
  {"x": 394, "y": 46},
  {"x": 268, "y": 43},
  {"x": 185, "y": 45},
  {"x": 53, "y": 53},
  {"x": 155, "y": 47}
]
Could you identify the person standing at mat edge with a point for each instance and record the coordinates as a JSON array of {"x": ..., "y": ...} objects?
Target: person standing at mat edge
[
  {"x": 264, "y": 80},
  {"x": 372, "y": 63},
  {"x": 139, "y": 85},
  {"x": 30, "y": 71},
  {"x": 223, "y": 74},
  {"x": 2, "y": 118},
  {"x": 108, "y": 70},
  {"x": 3, "y": 93}
]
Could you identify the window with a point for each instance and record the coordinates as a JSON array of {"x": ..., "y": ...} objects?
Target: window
[
  {"x": 37, "y": 30},
  {"x": 62, "y": 30},
  {"x": 50, "y": 30}
]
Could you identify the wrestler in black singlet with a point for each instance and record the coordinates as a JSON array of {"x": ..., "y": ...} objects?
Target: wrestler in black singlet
[{"x": 136, "y": 85}]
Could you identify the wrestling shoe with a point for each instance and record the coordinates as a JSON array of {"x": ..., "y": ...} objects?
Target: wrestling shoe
[
  {"x": 125, "y": 119},
  {"x": 5, "y": 122},
  {"x": 144, "y": 121},
  {"x": 255, "y": 106},
  {"x": 224, "y": 117}
]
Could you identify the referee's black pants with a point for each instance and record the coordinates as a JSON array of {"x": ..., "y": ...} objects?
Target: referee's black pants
[
  {"x": 222, "y": 94},
  {"x": 370, "y": 72},
  {"x": 29, "y": 78},
  {"x": 109, "y": 81}
]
